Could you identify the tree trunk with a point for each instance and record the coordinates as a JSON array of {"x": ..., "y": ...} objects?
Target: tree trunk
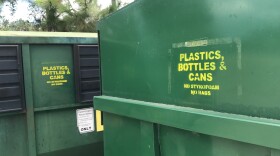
[{"x": 114, "y": 4}]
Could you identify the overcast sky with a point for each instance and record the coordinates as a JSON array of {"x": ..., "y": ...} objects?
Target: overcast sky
[{"x": 23, "y": 13}]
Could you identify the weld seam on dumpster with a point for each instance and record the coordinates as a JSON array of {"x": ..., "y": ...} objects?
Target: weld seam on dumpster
[
  {"x": 236, "y": 127},
  {"x": 149, "y": 139}
]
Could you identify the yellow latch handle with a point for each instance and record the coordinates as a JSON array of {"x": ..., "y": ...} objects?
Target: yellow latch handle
[{"x": 99, "y": 126}]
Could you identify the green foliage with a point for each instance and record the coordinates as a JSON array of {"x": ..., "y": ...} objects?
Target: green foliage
[
  {"x": 60, "y": 15},
  {"x": 112, "y": 8},
  {"x": 19, "y": 25},
  {"x": 11, "y": 2},
  {"x": 66, "y": 15}
]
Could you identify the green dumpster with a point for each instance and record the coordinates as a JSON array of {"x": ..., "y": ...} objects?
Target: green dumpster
[
  {"x": 47, "y": 81},
  {"x": 191, "y": 78}
]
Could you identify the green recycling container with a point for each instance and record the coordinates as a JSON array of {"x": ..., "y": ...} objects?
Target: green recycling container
[
  {"x": 47, "y": 81},
  {"x": 191, "y": 78}
]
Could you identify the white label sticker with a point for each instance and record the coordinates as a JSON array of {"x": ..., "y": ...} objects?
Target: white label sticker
[{"x": 85, "y": 120}]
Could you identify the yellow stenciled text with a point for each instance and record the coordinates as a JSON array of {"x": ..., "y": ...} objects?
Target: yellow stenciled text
[{"x": 56, "y": 74}]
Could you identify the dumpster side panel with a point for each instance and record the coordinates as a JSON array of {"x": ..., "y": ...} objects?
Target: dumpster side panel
[
  {"x": 53, "y": 73},
  {"x": 179, "y": 142},
  {"x": 55, "y": 103},
  {"x": 122, "y": 136},
  {"x": 57, "y": 134},
  {"x": 13, "y": 138},
  {"x": 46, "y": 125},
  {"x": 204, "y": 72},
  {"x": 145, "y": 59}
]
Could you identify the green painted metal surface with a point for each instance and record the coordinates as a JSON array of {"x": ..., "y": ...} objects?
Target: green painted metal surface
[
  {"x": 205, "y": 73},
  {"x": 201, "y": 121},
  {"x": 179, "y": 142},
  {"x": 145, "y": 57},
  {"x": 48, "y": 124},
  {"x": 62, "y": 128},
  {"x": 48, "y": 56},
  {"x": 13, "y": 127},
  {"x": 172, "y": 141}
]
